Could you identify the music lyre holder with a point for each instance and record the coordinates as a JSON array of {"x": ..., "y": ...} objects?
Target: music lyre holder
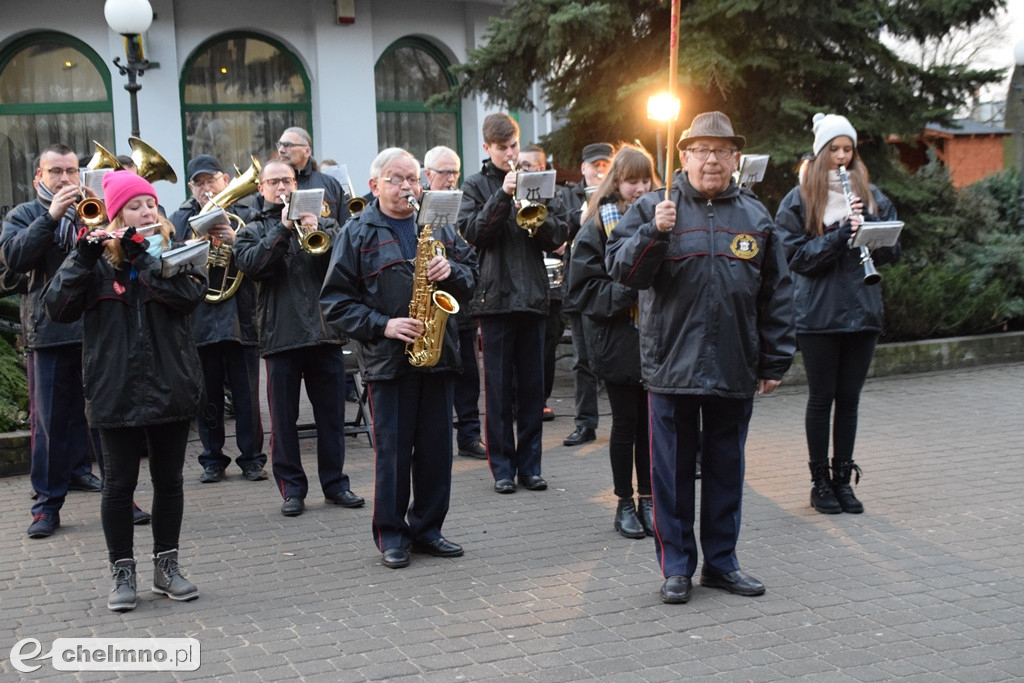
[{"x": 439, "y": 207}]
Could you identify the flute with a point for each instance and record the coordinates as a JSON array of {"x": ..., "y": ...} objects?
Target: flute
[{"x": 871, "y": 276}]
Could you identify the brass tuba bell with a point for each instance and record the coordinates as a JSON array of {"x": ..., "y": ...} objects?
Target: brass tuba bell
[
  {"x": 103, "y": 158},
  {"x": 149, "y": 163}
]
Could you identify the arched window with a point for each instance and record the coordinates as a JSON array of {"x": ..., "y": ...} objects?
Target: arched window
[
  {"x": 53, "y": 89},
  {"x": 408, "y": 73},
  {"x": 239, "y": 92}
]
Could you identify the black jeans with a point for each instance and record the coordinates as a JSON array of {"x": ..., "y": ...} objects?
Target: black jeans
[
  {"x": 628, "y": 442},
  {"x": 837, "y": 365},
  {"x": 123, "y": 449}
]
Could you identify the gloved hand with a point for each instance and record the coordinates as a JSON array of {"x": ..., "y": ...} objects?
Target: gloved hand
[
  {"x": 132, "y": 244},
  {"x": 90, "y": 248}
]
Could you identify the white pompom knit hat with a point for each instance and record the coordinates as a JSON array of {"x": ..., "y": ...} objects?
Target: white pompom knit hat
[{"x": 830, "y": 126}]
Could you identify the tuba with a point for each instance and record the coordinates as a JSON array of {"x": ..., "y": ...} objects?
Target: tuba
[
  {"x": 429, "y": 305},
  {"x": 149, "y": 163},
  {"x": 225, "y": 278}
]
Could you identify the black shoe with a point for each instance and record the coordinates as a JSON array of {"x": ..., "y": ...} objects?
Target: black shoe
[
  {"x": 547, "y": 415},
  {"x": 351, "y": 396},
  {"x": 211, "y": 475},
  {"x": 737, "y": 582},
  {"x": 474, "y": 450},
  {"x": 347, "y": 499},
  {"x": 646, "y": 514},
  {"x": 43, "y": 524},
  {"x": 627, "y": 522},
  {"x": 533, "y": 482},
  {"x": 676, "y": 589},
  {"x": 293, "y": 506},
  {"x": 254, "y": 473},
  {"x": 581, "y": 435},
  {"x": 140, "y": 516},
  {"x": 396, "y": 558},
  {"x": 505, "y": 486},
  {"x": 87, "y": 482},
  {"x": 439, "y": 547}
]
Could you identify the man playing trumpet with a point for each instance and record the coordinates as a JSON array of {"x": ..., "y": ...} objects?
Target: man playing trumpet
[
  {"x": 225, "y": 334},
  {"x": 36, "y": 238},
  {"x": 295, "y": 342},
  {"x": 366, "y": 295}
]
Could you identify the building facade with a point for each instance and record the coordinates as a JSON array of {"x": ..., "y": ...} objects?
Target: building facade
[{"x": 227, "y": 77}]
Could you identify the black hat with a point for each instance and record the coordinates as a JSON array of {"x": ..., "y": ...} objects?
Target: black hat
[
  {"x": 597, "y": 151},
  {"x": 204, "y": 163},
  {"x": 711, "y": 124}
]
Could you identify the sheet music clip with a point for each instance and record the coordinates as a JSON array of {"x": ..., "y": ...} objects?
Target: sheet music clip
[
  {"x": 875, "y": 234},
  {"x": 439, "y": 207}
]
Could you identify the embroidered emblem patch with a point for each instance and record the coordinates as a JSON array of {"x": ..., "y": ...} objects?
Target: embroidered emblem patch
[
  {"x": 118, "y": 288},
  {"x": 744, "y": 246}
]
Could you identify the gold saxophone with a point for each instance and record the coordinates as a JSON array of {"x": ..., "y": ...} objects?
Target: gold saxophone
[{"x": 429, "y": 305}]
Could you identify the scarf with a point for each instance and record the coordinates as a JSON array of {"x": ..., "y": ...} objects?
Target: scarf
[
  {"x": 65, "y": 235},
  {"x": 836, "y": 208}
]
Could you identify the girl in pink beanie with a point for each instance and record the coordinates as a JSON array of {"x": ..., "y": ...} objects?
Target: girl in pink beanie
[{"x": 131, "y": 202}]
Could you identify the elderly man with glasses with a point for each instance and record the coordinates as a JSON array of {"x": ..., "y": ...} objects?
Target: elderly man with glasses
[
  {"x": 716, "y": 327},
  {"x": 295, "y": 148},
  {"x": 295, "y": 342}
]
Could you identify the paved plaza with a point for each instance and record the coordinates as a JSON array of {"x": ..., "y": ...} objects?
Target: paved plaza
[{"x": 927, "y": 585}]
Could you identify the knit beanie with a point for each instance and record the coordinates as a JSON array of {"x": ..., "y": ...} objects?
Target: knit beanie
[
  {"x": 830, "y": 126},
  {"x": 120, "y": 187}
]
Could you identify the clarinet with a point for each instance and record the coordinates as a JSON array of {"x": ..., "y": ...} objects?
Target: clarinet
[{"x": 871, "y": 276}]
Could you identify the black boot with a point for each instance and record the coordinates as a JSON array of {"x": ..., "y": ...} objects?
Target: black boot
[
  {"x": 647, "y": 514},
  {"x": 626, "y": 521},
  {"x": 841, "y": 472},
  {"x": 823, "y": 498}
]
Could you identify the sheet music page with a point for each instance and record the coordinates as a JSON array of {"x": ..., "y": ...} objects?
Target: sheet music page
[
  {"x": 186, "y": 258},
  {"x": 305, "y": 201},
  {"x": 875, "y": 234},
  {"x": 535, "y": 186},
  {"x": 201, "y": 223},
  {"x": 752, "y": 168},
  {"x": 93, "y": 179},
  {"x": 439, "y": 207}
]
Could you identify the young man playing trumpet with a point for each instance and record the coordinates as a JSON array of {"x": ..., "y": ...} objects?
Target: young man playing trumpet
[
  {"x": 36, "y": 238},
  {"x": 511, "y": 301},
  {"x": 225, "y": 334},
  {"x": 382, "y": 270},
  {"x": 295, "y": 342}
]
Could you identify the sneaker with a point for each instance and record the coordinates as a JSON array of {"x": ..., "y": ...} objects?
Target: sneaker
[
  {"x": 254, "y": 473},
  {"x": 43, "y": 524},
  {"x": 167, "y": 578},
  {"x": 211, "y": 475},
  {"x": 123, "y": 594},
  {"x": 87, "y": 482}
]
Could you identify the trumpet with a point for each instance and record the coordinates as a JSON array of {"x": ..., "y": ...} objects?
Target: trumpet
[
  {"x": 92, "y": 212},
  {"x": 530, "y": 215},
  {"x": 355, "y": 203},
  {"x": 312, "y": 240},
  {"x": 871, "y": 275}
]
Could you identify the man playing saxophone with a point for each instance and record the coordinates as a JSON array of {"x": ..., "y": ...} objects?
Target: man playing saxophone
[{"x": 366, "y": 296}]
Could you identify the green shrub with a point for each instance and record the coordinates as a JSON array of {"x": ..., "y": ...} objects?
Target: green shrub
[{"x": 13, "y": 389}]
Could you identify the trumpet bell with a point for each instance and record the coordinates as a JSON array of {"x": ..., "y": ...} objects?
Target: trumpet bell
[
  {"x": 149, "y": 163},
  {"x": 531, "y": 216},
  {"x": 92, "y": 212},
  {"x": 315, "y": 242},
  {"x": 103, "y": 158}
]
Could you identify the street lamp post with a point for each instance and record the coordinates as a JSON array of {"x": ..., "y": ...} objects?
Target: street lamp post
[
  {"x": 130, "y": 18},
  {"x": 662, "y": 108}
]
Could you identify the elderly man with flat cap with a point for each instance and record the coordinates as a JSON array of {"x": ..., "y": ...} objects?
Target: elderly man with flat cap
[
  {"x": 716, "y": 327},
  {"x": 226, "y": 337}
]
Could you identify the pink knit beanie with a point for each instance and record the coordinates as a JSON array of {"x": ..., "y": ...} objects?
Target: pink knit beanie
[{"x": 120, "y": 187}]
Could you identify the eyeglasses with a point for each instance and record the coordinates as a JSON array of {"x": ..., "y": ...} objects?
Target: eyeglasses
[
  {"x": 208, "y": 181},
  {"x": 398, "y": 181},
  {"x": 440, "y": 172},
  {"x": 288, "y": 145},
  {"x": 278, "y": 181},
  {"x": 721, "y": 153},
  {"x": 58, "y": 172}
]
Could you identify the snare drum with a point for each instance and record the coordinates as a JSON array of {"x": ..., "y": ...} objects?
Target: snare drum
[{"x": 554, "y": 268}]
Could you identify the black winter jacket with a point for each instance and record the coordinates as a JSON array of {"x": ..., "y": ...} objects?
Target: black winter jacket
[
  {"x": 288, "y": 282},
  {"x": 830, "y": 293},
  {"x": 370, "y": 281},
  {"x": 27, "y": 246},
  {"x": 233, "y": 319},
  {"x": 512, "y": 276},
  {"x": 716, "y": 310},
  {"x": 612, "y": 336},
  {"x": 139, "y": 361},
  {"x": 571, "y": 201}
]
